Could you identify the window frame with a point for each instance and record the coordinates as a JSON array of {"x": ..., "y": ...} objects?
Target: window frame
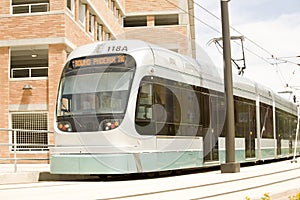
[
  {"x": 31, "y": 65},
  {"x": 72, "y": 6},
  {"x": 30, "y": 7},
  {"x": 266, "y": 120},
  {"x": 159, "y": 20},
  {"x": 137, "y": 21},
  {"x": 173, "y": 92}
]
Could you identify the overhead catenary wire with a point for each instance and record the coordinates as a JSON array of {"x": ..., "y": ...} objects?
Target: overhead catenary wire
[
  {"x": 253, "y": 53},
  {"x": 253, "y": 42},
  {"x": 198, "y": 19},
  {"x": 215, "y": 16},
  {"x": 219, "y": 32},
  {"x": 275, "y": 63}
]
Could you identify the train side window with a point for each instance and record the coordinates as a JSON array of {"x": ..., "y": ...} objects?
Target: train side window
[
  {"x": 144, "y": 108},
  {"x": 204, "y": 109},
  {"x": 241, "y": 118},
  {"x": 144, "y": 123},
  {"x": 190, "y": 108},
  {"x": 166, "y": 107},
  {"x": 221, "y": 115},
  {"x": 266, "y": 120},
  {"x": 245, "y": 117},
  {"x": 168, "y": 112},
  {"x": 65, "y": 105}
]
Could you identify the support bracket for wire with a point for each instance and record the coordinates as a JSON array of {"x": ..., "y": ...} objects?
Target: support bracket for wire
[{"x": 235, "y": 61}]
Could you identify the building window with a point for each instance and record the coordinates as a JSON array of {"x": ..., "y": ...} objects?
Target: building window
[
  {"x": 107, "y": 36},
  {"x": 117, "y": 13},
  {"x": 175, "y": 50},
  {"x": 29, "y": 6},
  {"x": 112, "y": 6},
  {"x": 99, "y": 32},
  {"x": 82, "y": 11},
  {"x": 133, "y": 21},
  {"x": 165, "y": 20},
  {"x": 91, "y": 23},
  {"x": 122, "y": 21},
  {"x": 30, "y": 121},
  {"x": 71, "y": 5},
  {"x": 29, "y": 62}
]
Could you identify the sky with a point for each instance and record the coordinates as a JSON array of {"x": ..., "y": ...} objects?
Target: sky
[{"x": 271, "y": 29}]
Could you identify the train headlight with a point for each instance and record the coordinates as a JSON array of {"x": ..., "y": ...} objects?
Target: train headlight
[
  {"x": 110, "y": 124},
  {"x": 64, "y": 126}
]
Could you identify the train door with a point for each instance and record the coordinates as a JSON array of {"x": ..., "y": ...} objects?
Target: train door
[
  {"x": 279, "y": 129},
  {"x": 245, "y": 124},
  {"x": 250, "y": 132},
  {"x": 210, "y": 139}
]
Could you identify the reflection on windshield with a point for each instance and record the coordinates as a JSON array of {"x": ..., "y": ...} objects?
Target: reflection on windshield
[{"x": 99, "y": 93}]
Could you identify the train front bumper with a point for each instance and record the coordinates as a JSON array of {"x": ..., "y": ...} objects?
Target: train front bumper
[{"x": 93, "y": 164}]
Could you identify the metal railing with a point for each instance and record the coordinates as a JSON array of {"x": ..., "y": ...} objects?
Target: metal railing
[
  {"x": 14, "y": 145},
  {"x": 30, "y": 8}
]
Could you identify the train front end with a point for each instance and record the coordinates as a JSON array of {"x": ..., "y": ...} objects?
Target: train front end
[{"x": 93, "y": 98}]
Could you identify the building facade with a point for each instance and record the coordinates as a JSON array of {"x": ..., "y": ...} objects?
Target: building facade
[{"x": 36, "y": 37}]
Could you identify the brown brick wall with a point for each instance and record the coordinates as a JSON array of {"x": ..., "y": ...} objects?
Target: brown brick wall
[
  {"x": 4, "y": 94},
  {"x": 4, "y": 98},
  {"x": 4, "y": 7},
  {"x": 150, "y": 5},
  {"x": 38, "y": 94},
  {"x": 161, "y": 35},
  {"x": 75, "y": 34},
  {"x": 57, "y": 5},
  {"x": 108, "y": 15},
  {"x": 57, "y": 59},
  {"x": 25, "y": 27}
]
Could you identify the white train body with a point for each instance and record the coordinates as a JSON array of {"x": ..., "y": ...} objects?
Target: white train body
[{"x": 131, "y": 107}]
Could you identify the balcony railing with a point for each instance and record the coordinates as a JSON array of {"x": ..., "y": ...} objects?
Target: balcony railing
[
  {"x": 30, "y": 8},
  {"x": 29, "y": 72}
]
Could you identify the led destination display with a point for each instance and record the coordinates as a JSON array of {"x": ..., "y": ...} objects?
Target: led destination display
[{"x": 106, "y": 60}]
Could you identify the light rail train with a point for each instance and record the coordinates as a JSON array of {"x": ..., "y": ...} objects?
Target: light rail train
[{"x": 132, "y": 107}]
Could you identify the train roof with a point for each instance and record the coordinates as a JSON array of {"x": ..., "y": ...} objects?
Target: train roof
[
  {"x": 158, "y": 55},
  {"x": 149, "y": 54}
]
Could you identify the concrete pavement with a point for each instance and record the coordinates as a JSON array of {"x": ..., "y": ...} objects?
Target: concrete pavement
[
  {"x": 25, "y": 173},
  {"x": 32, "y": 173}
]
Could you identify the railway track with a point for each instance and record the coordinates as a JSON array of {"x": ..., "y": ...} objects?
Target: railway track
[
  {"x": 231, "y": 188},
  {"x": 273, "y": 178}
]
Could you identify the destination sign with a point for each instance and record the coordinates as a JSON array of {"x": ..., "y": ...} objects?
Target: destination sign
[{"x": 106, "y": 60}]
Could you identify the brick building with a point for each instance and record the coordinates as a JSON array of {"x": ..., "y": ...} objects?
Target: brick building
[{"x": 37, "y": 35}]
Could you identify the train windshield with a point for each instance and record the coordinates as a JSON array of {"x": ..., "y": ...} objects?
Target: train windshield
[{"x": 96, "y": 88}]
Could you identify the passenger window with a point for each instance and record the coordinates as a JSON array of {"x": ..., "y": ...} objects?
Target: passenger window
[
  {"x": 144, "y": 123},
  {"x": 144, "y": 106}
]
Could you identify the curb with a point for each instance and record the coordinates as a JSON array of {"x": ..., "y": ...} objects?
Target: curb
[
  {"x": 46, "y": 176},
  {"x": 34, "y": 177},
  {"x": 19, "y": 177}
]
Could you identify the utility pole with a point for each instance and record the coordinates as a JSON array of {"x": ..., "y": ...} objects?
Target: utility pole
[
  {"x": 192, "y": 27},
  {"x": 230, "y": 166}
]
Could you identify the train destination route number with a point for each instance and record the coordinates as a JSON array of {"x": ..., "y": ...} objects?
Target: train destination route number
[
  {"x": 107, "y": 60},
  {"x": 117, "y": 48},
  {"x": 110, "y": 49}
]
